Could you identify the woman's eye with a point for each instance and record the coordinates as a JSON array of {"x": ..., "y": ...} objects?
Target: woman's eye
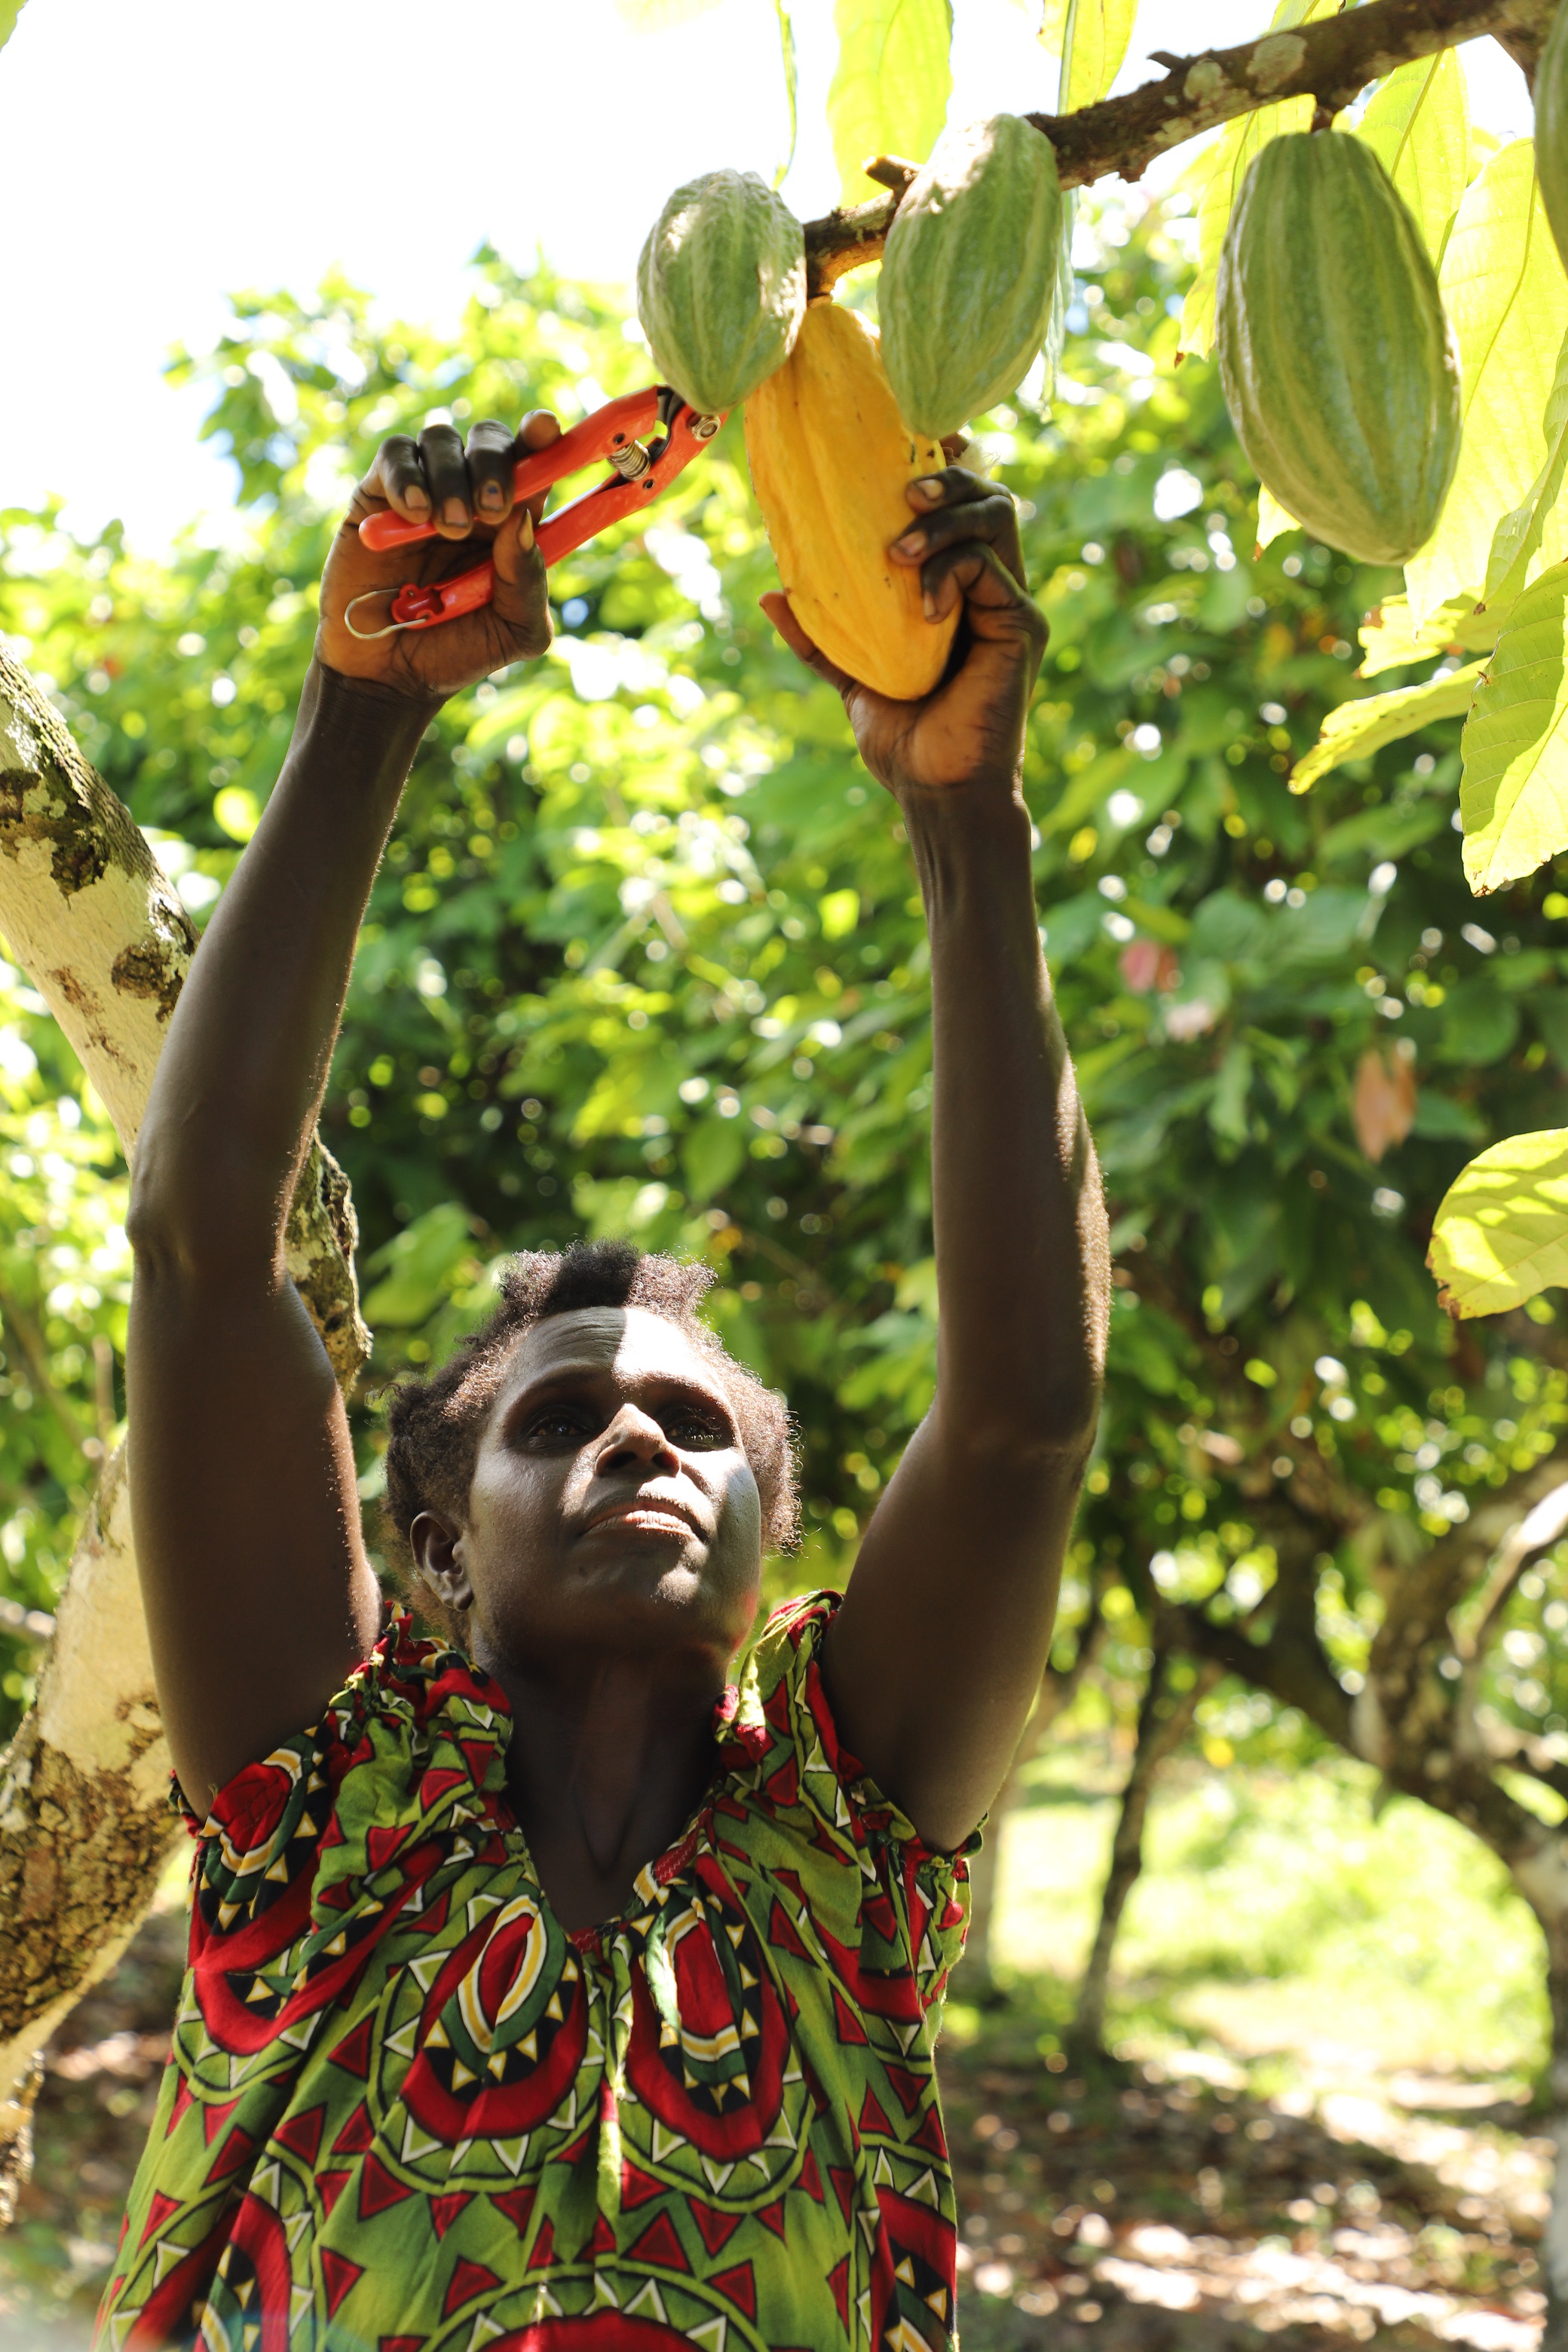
[
  {"x": 557, "y": 1428},
  {"x": 695, "y": 1431}
]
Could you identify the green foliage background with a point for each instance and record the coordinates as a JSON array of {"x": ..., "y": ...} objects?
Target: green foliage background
[{"x": 645, "y": 957}]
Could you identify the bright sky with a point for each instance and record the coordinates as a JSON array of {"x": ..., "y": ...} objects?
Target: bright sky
[{"x": 177, "y": 150}]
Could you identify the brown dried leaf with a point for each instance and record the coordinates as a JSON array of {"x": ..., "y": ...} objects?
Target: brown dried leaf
[{"x": 1383, "y": 1104}]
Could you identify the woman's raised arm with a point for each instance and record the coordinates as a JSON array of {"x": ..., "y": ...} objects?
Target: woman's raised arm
[
  {"x": 259, "y": 1598},
  {"x": 936, "y": 1655}
]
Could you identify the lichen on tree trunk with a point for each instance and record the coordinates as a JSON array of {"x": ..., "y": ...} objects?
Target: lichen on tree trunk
[{"x": 85, "y": 1825}]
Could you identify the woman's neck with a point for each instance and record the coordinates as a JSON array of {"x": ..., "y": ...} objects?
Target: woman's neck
[{"x": 608, "y": 1759}]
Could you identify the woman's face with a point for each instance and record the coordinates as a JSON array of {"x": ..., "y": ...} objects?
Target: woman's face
[{"x": 612, "y": 1507}]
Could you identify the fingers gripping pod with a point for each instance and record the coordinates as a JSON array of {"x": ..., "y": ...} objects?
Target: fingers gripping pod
[{"x": 640, "y": 469}]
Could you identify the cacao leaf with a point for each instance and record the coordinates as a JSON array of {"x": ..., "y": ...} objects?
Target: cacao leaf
[
  {"x": 1094, "y": 37},
  {"x": 792, "y": 86},
  {"x": 10, "y": 12},
  {"x": 891, "y": 90},
  {"x": 1419, "y": 125},
  {"x": 1234, "y": 150},
  {"x": 1507, "y": 300},
  {"x": 1273, "y": 520},
  {"x": 1358, "y": 729},
  {"x": 660, "y": 15},
  {"x": 1383, "y": 1104},
  {"x": 1502, "y": 1233},
  {"x": 1513, "y": 792},
  {"x": 1389, "y": 639},
  {"x": 1535, "y": 535}
]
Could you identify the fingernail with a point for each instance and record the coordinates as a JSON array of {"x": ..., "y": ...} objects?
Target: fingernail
[
  {"x": 912, "y": 543},
  {"x": 490, "y": 497},
  {"x": 455, "y": 511},
  {"x": 929, "y": 605},
  {"x": 930, "y": 488},
  {"x": 416, "y": 498},
  {"x": 525, "y": 530}
]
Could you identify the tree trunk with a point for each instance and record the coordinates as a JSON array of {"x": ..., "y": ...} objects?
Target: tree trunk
[
  {"x": 1164, "y": 1721},
  {"x": 85, "y": 1827}
]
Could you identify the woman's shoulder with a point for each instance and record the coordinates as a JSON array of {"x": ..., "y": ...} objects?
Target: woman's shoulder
[{"x": 412, "y": 1697}]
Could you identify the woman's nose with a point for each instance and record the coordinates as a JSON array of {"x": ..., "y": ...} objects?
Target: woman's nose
[{"x": 635, "y": 1433}]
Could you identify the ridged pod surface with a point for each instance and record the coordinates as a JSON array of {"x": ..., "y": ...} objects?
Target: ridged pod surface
[
  {"x": 721, "y": 287},
  {"x": 1551, "y": 130},
  {"x": 1338, "y": 365},
  {"x": 830, "y": 460},
  {"x": 971, "y": 278}
]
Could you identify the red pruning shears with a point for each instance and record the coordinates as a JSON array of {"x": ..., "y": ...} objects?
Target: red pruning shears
[{"x": 640, "y": 469}]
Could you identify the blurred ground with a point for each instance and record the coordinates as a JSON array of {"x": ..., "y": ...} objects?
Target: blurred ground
[
  {"x": 1315, "y": 2134},
  {"x": 1174, "y": 2208}
]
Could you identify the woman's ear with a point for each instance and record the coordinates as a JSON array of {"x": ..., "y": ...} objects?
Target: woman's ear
[{"x": 436, "y": 1544}]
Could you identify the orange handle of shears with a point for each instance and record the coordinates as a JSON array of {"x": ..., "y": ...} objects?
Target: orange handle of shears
[
  {"x": 617, "y": 427},
  {"x": 611, "y": 428}
]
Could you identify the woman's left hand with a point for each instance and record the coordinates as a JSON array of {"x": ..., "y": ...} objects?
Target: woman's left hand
[{"x": 971, "y": 729}]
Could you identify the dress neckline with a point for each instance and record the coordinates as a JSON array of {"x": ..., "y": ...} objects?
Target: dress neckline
[{"x": 660, "y": 1868}]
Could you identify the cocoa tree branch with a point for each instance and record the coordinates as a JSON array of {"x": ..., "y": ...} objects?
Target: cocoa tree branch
[
  {"x": 1523, "y": 1753},
  {"x": 1329, "y": 61},
  {"x": 1541, "y": 1527},
  {"x": 1296, "y": 1675},
  {"x": 1410, "y": 1707}
]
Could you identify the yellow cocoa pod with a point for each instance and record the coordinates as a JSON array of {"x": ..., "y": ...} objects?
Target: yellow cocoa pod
[{"x": 830, "y": 462}]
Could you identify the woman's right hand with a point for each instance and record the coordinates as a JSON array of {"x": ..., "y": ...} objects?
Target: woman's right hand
[{"x": 468, "y": 493}]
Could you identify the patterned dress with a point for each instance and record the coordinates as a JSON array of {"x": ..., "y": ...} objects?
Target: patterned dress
[{"x": 405, "y": 2110}]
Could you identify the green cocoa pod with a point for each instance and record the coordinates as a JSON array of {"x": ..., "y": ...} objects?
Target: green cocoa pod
[
  {"x": 1551, "y": 130},
  {"x": 1337, "y": 362},
  {"x": 972, "y": 274},
  {"x": 721, "y": 287}
]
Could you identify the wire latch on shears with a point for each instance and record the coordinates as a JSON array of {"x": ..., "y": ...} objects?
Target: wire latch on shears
[{"x": 621, "y": 434}]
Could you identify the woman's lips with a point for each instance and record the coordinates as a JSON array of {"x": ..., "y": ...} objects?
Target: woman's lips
[{"x": 660, "y": 1519}]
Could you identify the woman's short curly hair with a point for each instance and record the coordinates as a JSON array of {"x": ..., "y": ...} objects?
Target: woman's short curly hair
[{"x": 434, "y": 1425}]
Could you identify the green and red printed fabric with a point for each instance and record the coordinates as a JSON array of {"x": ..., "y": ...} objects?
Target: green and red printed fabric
[{"x": 405, "y": 2110}]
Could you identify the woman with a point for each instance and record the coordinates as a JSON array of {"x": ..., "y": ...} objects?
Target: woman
[{"x": 543, "y": 1989}]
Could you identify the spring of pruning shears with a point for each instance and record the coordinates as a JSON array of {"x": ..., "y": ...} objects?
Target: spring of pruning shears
[{"x": 641, "y": 466}]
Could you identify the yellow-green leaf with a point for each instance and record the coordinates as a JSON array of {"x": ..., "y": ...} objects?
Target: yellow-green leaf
[
  {"x": 1091, "y": 36},
  {"x": 1507, "y": 300},
  {"x": 1513, "y": 793},
  {"x": 1273, "y": 520},
  {"x": 1535, "y": 536},
  {"x": 1419, "y": 125},
  {"x": 889, "y": 94},
  {"x": 1390, "y": 640},
  {"x": 1234, "y": 149},
  {"x": 10, "y": 12},
  {"x": 1501, "y": 1233},
  {"x": 1356, "y": 730},
  {"x": 660, "y": 15},
  {"x": 792, "y": 86}
]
